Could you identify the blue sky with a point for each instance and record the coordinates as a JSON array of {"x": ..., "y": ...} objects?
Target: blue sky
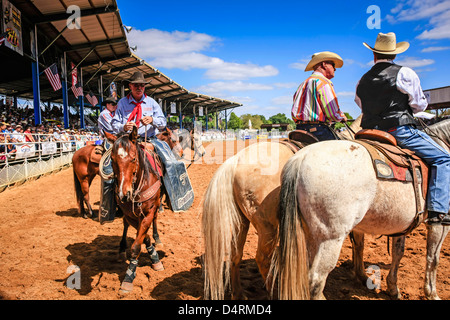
[{"x": 254, "y": 52}]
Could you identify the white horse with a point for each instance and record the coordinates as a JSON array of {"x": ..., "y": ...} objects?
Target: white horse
[
  {"x": 243, "y": 191},
  {"x": 328, "y": 190}
]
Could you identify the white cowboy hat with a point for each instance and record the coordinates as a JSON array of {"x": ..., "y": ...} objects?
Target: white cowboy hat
[
  {"x": 386, "y": 43},
  {"x": 324, "y": 56}
]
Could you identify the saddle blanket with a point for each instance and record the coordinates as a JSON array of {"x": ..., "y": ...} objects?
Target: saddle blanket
[
  {"x": 387, "y": 168},
  {"x": 176, "y": 179}
]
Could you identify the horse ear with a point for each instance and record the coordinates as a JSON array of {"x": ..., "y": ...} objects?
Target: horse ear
[
  {"x": 133, "y": 134},
  {"x": 109, "y": 136}
]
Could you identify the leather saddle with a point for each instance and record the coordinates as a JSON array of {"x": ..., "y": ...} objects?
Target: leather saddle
[
  {"x": 96, "y": 154},
  {"x": 298, "y": 139},
  {"x": 392, "y": 162}
]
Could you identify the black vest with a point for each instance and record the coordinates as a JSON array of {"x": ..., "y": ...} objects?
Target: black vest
[{"x": 383, "y": 105}]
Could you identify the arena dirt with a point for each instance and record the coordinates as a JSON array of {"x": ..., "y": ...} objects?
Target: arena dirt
[{"x": 42, "y": 239}]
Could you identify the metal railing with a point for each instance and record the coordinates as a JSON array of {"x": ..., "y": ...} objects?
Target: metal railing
[{"x": 22, "y": 161}]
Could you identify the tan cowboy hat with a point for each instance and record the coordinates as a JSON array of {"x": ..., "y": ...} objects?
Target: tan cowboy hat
[
  {"x": 138, "y": 77},
  {"x": 324, "y": 56},
  {"x": 386, "y": 43},
  {"x": 109, "y": 100}
]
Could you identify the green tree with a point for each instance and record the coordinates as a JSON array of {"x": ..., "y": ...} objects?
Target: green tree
[{"x": 235, "y": 122}]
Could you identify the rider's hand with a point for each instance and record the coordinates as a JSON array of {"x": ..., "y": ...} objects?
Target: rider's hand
[
  {"x": 147, "y": 120},
  {"x": 344, "y": 119},
  {"x": 128, "y": 126}
]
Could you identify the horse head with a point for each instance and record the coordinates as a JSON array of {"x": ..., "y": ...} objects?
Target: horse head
[
  {"x": 125, "y": 158},
  {"x": 172, "y": 140}
]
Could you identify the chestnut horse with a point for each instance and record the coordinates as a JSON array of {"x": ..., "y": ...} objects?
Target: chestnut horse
[
  {"x": 138, "y": 191},
  {"x": 84, "y": 170}
]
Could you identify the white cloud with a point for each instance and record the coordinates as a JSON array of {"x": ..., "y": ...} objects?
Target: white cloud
[
  {"x": 346, "y": 94},
  {"x": 436, "y": 11},
  {"x": 283, "y": 100},
  {"x": 157, "y": 43},
  {"x": 183, "y": 50},
  {"x": 286, "y": 85},
  {"x": 432, "y": 49},
  {"x": 234, "y": 71},
  {"x": 300, "y": 64},
  {"x": 412, "y": 62},
  {"x": 231, "y": 86}
]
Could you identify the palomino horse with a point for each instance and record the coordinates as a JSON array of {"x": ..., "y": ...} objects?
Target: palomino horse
[
  {"x": 328, "y": 190},
  {"x": 243, "y": 190},
  {"x": 138, "y": 191}
]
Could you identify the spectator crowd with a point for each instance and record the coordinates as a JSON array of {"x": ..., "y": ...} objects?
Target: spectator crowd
[{"x": 17, "y": 127}]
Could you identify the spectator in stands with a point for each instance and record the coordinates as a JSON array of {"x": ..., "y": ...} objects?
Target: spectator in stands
[
  {"x": 28, "y": 136},
  {"x": 17, "y": 134}
]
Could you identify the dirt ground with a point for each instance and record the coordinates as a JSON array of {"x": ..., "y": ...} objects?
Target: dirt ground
[{"x": 42, "y": 238}]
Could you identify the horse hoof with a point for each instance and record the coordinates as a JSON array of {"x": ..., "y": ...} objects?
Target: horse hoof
[
  {"x": 126, "y": 287},
  {"x": 158, "y": 266}
]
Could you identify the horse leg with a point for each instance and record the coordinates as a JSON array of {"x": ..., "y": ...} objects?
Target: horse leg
[
  {"x": 154, "y": 257},
  {"x": 435, "y": 238},
  {"x": 158, "y": 242},
  {"x": 325, "y": 255},
  {"x": 398, "y": 249},
  {"x": 236, "y": 258},
  {"x": 123, "y": 242},
  {"x": 267, "y": 235},
  {"x": 358, "y": 253},
  {"x": 144, "y": 225}
]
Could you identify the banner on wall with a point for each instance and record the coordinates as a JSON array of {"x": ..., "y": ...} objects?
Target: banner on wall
[{"x": 12, "y": 27}]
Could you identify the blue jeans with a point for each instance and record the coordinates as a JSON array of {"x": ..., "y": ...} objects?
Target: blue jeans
[{"x": 438, "y": 160}]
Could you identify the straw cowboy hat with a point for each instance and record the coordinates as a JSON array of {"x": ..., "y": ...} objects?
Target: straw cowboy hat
[
  {"x": 324, "y": 56},
  {"x": 386, "y": 43},
  {"x": 109, "y": 100},
  {"x": 138, "y": 77}
]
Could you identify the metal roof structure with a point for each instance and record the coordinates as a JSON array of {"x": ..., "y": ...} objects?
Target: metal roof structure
[
  {"x": 89, "y": 35},
  {"x": 438, "y": 98}
]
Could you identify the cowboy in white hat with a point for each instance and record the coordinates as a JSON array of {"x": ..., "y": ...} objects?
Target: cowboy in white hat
[
  {"x": 389, "y": 95},
  {"x": 315, "y": 103}
]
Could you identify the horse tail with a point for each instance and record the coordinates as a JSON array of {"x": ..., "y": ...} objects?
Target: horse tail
[
  {"x": 220, "y": 224},
  {"x": 78, "y": 192},
  {"x": 290, "y": 261}
]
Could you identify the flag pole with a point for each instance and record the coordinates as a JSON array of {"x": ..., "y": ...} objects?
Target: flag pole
[{"x": 36, "y": 87}]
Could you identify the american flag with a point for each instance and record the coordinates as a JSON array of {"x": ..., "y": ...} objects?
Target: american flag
[
  {"x": 77, "y": 90},
  {"x": 74, "y": 74},
  {"x": 53, "y": 76},
  {"x": 92, "y": 99}
]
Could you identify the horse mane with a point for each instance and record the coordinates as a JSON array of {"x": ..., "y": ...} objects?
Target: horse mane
[
  {"x": 123, "y": 140},
  {"x": 440, "y": 129}
]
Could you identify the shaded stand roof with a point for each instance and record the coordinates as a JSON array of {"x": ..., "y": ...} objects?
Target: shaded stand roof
[{"x": 96, "y": 44}]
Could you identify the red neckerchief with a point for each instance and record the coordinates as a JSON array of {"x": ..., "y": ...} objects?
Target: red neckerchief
[{"x": 137, "y": 112}]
